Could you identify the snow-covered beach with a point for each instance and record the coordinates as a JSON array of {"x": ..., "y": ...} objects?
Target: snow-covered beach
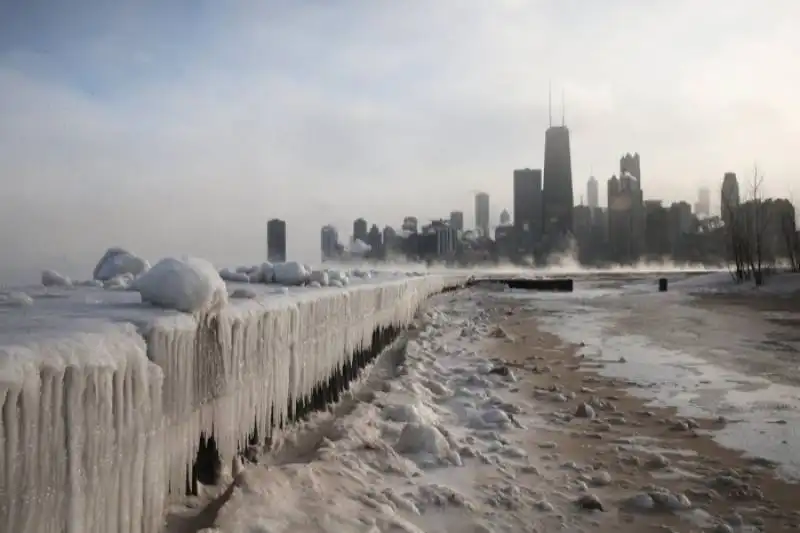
[
  {"x": 495, "y": 423},
  {"x": 497, "y": 411}
]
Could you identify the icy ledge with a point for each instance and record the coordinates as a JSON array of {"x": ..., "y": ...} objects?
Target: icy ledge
[{"x": 98, "y": 425}]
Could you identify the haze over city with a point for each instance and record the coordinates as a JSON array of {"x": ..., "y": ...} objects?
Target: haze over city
[{"x": 175, "y": 128}]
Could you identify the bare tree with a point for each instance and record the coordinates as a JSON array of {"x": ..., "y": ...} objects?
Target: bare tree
[
  {"x": 736, "y": 237},
  {"x": 791, "y": 240},
  {"x": 758, "y": 223}
]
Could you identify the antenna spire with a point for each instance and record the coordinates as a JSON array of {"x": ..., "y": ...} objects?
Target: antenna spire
[
  {"x": 550, "y": 103},
  {"x": 563, "y": 108}
]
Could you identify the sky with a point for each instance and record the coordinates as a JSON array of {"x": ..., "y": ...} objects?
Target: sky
[{"x": 180, "y": 127}]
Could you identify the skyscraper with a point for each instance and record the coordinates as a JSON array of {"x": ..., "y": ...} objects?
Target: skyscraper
[
  {"x": 505, "y": 217},
  {"x": 457, "y": 220},
  {"x": 360, "y": 230},
  {"x": 557, "y": 188},
  {"x": 482, "y": 213},
  {"x": 592, "y": 193},
  {"x": 729, "y": 197},
  {"x": 528, "y": 215},
  {"x": 631, "y": 164},
  {"x": 276, "y": 241},
  {"x": 703, "y": 206},
  {"x": 329, "y": 242}
]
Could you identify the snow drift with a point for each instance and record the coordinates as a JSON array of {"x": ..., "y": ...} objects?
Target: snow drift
[{"x": 97, "y": 426}]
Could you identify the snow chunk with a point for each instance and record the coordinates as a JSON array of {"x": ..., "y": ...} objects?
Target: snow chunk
[
  {"x": 426, "y": 440},
  {"x": 118, "y": 261},
  {"x": 16, "y": 299},
  {"x": 244, "y": 293},
  {"x": 236, "y": 277},
  {"x": 319, "y": 276},
  {"x": 291, "y": 273},
  {"x": 51, "y": 278},
  {"x": 189, "y": 285}
]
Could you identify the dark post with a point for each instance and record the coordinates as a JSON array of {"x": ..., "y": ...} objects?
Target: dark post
[{"x": 662, "y": 284}]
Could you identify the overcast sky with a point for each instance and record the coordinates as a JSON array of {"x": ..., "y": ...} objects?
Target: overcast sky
[{"x": 181, "y": 126}]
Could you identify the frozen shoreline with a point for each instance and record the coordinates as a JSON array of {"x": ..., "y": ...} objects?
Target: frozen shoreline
[{"x": 105, "y": 398}]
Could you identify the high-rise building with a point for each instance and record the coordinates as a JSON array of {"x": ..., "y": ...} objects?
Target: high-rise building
[
  {"x": 375, "y": 240},
  {"x": 276, "y": 241},
  {"x": 482, "y": 213},
  {"x": 457, "y": 220},
  {"x": 703, "y": 205},
  {"x": 505, "y": 217},
  {"x": 528, "y": 215},
  {"x": 329, "y": 242},
  {"x": 592, "y": 193},
  {"x": 360, "y": 230},
  {"x": 729, "y": 196},
  {"x": 410, "y": 224},
  {"x": 631, "y": 164},
  {"x": 557, "y": 198},
  {"x": 625, "y": 218}
]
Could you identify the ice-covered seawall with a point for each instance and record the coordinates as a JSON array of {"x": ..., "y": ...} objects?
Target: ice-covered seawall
[{"x": 100, "y": 418}]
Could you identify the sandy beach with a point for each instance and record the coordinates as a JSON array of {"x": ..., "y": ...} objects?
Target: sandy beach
[{"x": 638, "y": 445}]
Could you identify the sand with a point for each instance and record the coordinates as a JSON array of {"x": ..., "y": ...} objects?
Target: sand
[{"x": 622, "y": 439}]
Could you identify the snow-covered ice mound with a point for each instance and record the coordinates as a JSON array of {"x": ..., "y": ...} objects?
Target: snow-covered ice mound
[
  {"x": 51, "y": 278},
  {"x": 117, "y": 262},
  {"x": 189, "y": 285},
  {"x": 235, "y": 276},
  {"x": 290, "y": 273}
]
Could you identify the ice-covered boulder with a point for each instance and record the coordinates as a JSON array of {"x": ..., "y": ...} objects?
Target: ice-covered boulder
[
  {"x": 266, "y": 273},
  {"x": 118, "y": 261},
  {"x": 320, "y": 277},
  {"x": 234, "y": 276},
  {"x": 290, "y": 273},
  {"x": 189, "y": 285},
  {"x": 51, "y": 278},
  {"x": 16, "y": 299},
  {"x": 337, "y": 277}
]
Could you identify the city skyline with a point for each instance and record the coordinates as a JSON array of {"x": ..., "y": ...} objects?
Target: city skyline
[{"x": 289, "y": 112}]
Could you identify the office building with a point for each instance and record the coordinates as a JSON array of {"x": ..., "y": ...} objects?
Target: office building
[
  {"x": 557, "y": 196},
  {"x": 329, "y": 242},
  {"x": 276, "y": 241},
  {"x": 360, "y": 230},
  {"x": 482, "y": 213},
  {"x": 528, "y": 216},
  {"x": 592, "y": 193},
  {"x": 729, "y": 196},
  {"x": 703, "y": 205},
  {"x": 457, "y": 220}
]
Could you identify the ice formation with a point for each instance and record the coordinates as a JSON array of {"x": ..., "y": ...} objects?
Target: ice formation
[
  {"x": 97, "y": 426},
  {"x": 117, "y": 262},
  {"x": 51, "y": 278},
  {"x": 189, "y": 285}
]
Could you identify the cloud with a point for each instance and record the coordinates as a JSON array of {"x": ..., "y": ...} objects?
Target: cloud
[{"x": 183, "y": 128}]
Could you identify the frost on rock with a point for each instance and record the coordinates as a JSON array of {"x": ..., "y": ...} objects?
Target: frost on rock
[
  {"x": 116, "y": 262},
  {"x": 189, "y": 285},
  {"x": 51, "y": 278}
]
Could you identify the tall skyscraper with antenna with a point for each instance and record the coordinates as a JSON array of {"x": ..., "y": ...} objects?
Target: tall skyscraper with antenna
[{"x": 557, "y": 201}]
